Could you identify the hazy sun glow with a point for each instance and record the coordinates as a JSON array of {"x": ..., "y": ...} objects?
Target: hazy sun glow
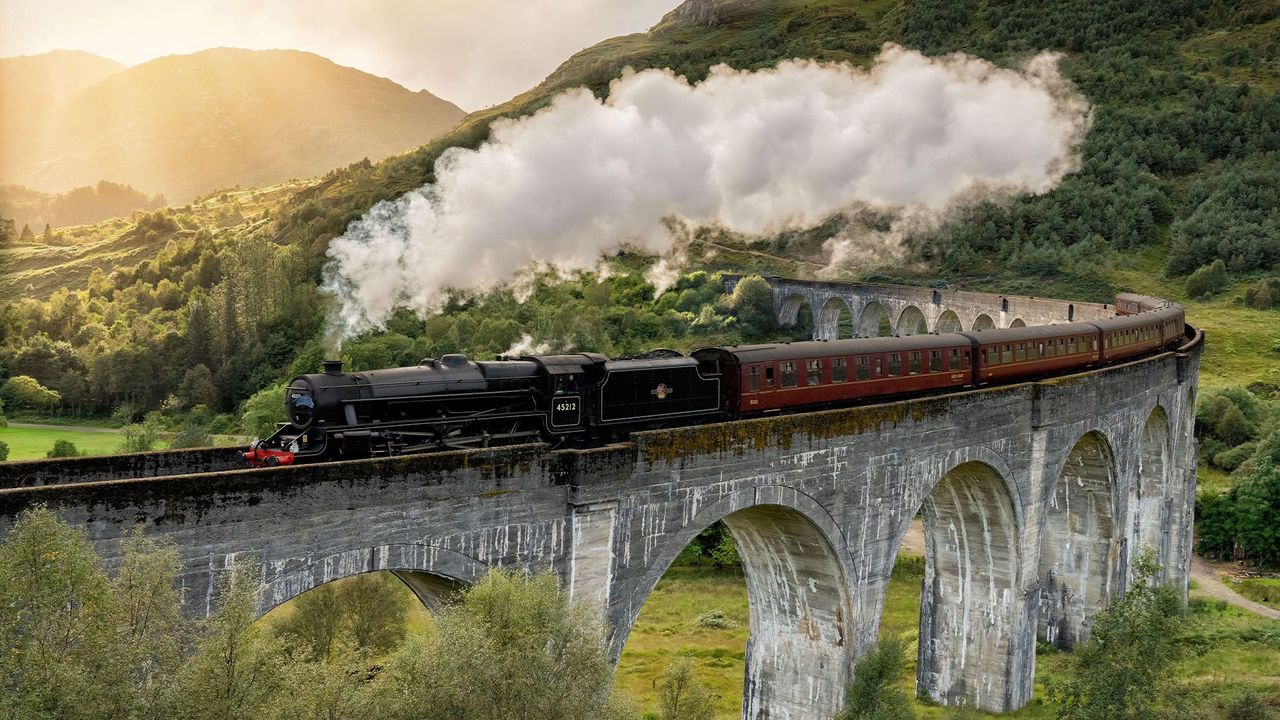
[{"x": 471, "y": 52}]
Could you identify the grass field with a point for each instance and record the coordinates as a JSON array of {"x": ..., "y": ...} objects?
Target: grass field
[
  {"x": 33, "y": 443},
  {"x": 1231, "y": 648},
  {"x": 29, "y": 443}
]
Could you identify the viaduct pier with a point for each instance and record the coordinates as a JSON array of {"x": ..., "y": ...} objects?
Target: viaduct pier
[{"x": 1036, "y": 499}]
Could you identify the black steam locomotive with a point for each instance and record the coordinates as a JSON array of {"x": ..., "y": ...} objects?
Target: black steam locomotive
[{"x": 455, "y": 402}]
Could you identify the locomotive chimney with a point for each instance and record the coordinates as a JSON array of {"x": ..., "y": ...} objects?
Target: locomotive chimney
[{"x": 332, "y": 367}]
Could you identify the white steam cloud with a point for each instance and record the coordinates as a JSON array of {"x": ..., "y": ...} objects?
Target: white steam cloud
[{"x": 752, "y": 152}]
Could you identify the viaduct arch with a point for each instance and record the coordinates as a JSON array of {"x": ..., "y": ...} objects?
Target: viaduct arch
[{"x": 1035, "y": 498}]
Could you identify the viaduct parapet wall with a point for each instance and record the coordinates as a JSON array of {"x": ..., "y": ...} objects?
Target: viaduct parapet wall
[{"x": 1035, "y": 498}]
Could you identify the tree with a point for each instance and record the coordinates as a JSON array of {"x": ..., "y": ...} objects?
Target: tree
[
  {"x": 263, "y": 410},
  {"x": 238, "y": 666},
  {"x": 63, "y": 448},
  {"x": 23, "y": 391},
  {"x": 317, "y": 620},
  {"x": 197, "y": 387},
  {"x": 151, "y": 630},
  {"x": 55, "y": 636},
  {"x": 376, "y": 612},
  {"x": 1207, "y": 280},
  {"x": 752, "y": 305},
  {"x": 873, "y": 695},
  {"x": 683, "y": 696},
  {"x": 1257, "y": 504},
  {"x": 513, "y": 647},
  {"x": 1124, "y": 670},
  {"x": 140, "y": 436},
  {"x": 1233, "y": 428}
]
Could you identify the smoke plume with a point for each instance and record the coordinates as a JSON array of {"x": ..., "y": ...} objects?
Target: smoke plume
[{"x": 753, "y": 152}]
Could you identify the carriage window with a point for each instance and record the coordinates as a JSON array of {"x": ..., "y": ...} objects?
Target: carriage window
[
  {"x": 879, "y": 368},
  {"x": 863, "y": 367},
  {"x": 955, "y": 360},
  {"x": 1020, "y": 352},
  {"x": 815, "y": 373},
  {"x": 993, "y": 356},
  {"x": 1006, "y": 355},
  {"x": 895, "y": 364},
  {"x": 768, "y": 376},
  {"x": 839, "y": 370},
  {"x": 788, "y": 374},
  {"x": 914, "y": 363},
  {"x": 935, "y": 361},
  {"x": 1093, "y": 344},
  {"x": 753, "y": 378}
]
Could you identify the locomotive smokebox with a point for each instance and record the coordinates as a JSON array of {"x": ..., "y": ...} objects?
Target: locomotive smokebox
[{"x": 332, "y": 367}]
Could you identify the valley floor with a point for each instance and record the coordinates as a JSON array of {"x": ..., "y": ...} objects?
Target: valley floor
[{"x": 702, "y": 613}]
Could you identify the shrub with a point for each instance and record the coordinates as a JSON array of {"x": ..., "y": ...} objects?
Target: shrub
[
  {"x": 1232, "y": 459},
  {"x": 4, "y": 451},
  {"x": 24, "y": 391},
  {"x": 193, "y": 435},
  {"x": 715, "y": 619},
  {"x": 873, "y": 694},
  {"x": 63, "y": 448},
  {"x": 1207, "y": 280}
]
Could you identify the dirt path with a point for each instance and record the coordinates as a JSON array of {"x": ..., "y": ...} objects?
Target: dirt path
[
  {"x": 69, "y": 428},
  {"x": 1208, "y": 576}
]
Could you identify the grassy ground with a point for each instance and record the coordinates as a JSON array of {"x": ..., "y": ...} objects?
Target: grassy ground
[
  {"x": 1264, "y": 590},
  {"x": 1230, "y": 648},
  {"x": 668, "y": 627},
  {"x": 33, "y": 443}
]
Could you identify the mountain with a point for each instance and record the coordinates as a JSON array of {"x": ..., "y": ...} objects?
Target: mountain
[
  {"x": 52, "y": 75},
  {"x": 32, "y": 86},
  {"x": 183, "y": 125}
]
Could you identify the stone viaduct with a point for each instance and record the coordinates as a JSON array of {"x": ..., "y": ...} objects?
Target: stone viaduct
[
  {"x": 867, "y": 310},
  {"x": 1035, "y": 498}
]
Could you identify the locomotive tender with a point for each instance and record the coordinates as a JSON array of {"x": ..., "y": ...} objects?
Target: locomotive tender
[{"x": 587, "y": 398}]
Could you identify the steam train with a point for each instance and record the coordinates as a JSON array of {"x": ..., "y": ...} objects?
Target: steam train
[{"x": 586, "y": 398}]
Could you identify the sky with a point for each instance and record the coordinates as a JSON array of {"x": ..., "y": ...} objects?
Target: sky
[{"x": 474, "y": 53}]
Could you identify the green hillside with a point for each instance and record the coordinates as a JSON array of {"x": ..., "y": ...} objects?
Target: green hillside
[{"x": 1177, "y": 173}]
